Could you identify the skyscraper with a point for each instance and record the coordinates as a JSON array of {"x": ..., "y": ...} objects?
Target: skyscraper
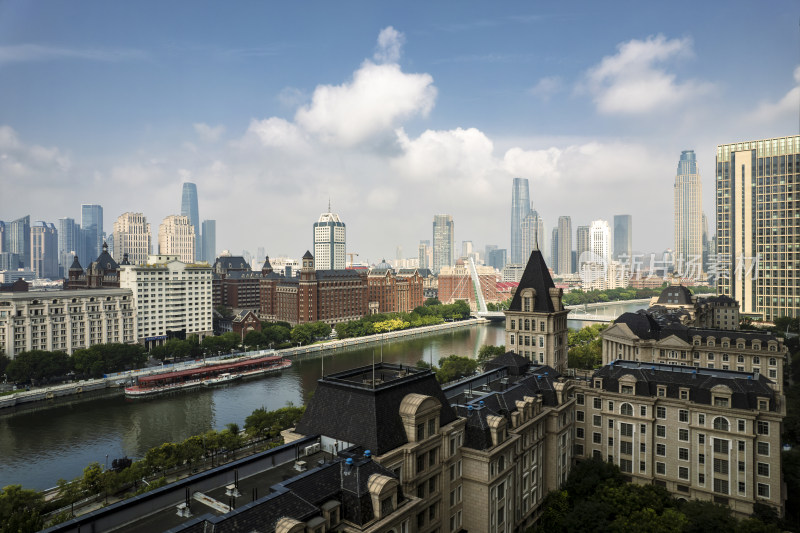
[
  {"x": 44, "y": 250},
  {"x": 209, "y": 239},
  {"x": 758, "y": 225},
  {"x": 443, "y": 241},
  {"x": 520, "y": 207},
  {"x": 132, "y": 236},
  {"x": 623, "y": 242},
  {"x": 92, "y": 226},
  {"x": 688, "y": 213},
  {"x": 564, "y": 265},
  {"x": 554, "y": 248},
  {"x": 599, "y": 241},
  {"x": 425, "y": 254},
  {"x": 69, "y": 235},
  {"x": 582, "y": 241},
  {"x": 532, "y": 235},
  {"x": 20, "y": 239},
  {"x": 176, "y": 237},
  {"x": 330, "y": 242},
  {"x": 189, "y": 209}
]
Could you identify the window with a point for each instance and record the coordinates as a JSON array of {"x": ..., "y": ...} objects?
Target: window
[
  {"x": 626, "y": 430},
  {"x": 740, "y": 425},
  {"x": 643, "y": 447},
  {"x": 701, "y": 419},
  {"x": 661, "y": 431},
  {"x": 610, "y": 442},
  {"x": 720, "y": 466},
  {"x": 661, "y": 468},
  {"x": 701, "y": 438},
  {"x": 597, "y": 438},
  {"x": 420, "y": 463},
  {"x": 720, "y": 402},
  {"x": 763, "y": 490},
  {"x": 661, "y": 412},
  {"x": 580, "y": 398},
  {"x": 720, "y": 486},
  {"x": 762, "y": 448},
  {"x": 598, "y": 403},
  {"x": 662, "y": 391},
  {"x": 683, "y": 472},
  {"x": 642, "y": 410},
  {"x": 683, "y": 454},
  {"x": 421, "y": 490},
  {"x": 432, "y": 458},
  {"x": 701, "y": 459},
  {"x": 721, "y": 445},
  {"x": 742, "y": 487},
  {"x": 762, "y": 427},
  {"x": 579, "y": 416},
  {"x": 684, "y": 394},
  {"x": 626, "y": 465},
  {"x": 661, "y": 449},
  {"x": 431, "y": 426},
  {"x": 721, "y": 423},
  {"x": 741, "y": 445},
  {"x": 643, "y": 429},
  {"x": 579, "y": 433},
  {"x": 642, "y": 466},
  {"x": 763, "y": 469},
  {"x": 420, "y": 431},
  {"x": 683, "y": 434},
  {"x": 683, "y": 415},
  {"x": 626, "y": 447},
  {"x": 626, "y": 409},
  {"x": 597, "y": 421},
  {"x": 626, "y": 389},
  {"x": 610, "y": 423}
]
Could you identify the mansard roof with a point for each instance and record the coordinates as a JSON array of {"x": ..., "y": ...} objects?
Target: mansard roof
[
  {"x": 675, "y": 295},
  {"x": 517, "y": 365},
  {"x": 231, "y": 262},
  {"x": 537, "y": 277}
]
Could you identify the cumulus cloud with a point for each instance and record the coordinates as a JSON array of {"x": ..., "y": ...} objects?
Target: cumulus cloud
[
  {"x": 635, "y": 79},
  {"x": 278, "y": 133},
  {"x": 390, "y": 45},
  {"x": 209, "y": 133},
  {"x": 377, "y": 99},
  {"x": 450, "y": 155},
  {"x": 21, "y": 160},
  {"x": 786, "y": 106},
  {"x": 546, "y": 87}
]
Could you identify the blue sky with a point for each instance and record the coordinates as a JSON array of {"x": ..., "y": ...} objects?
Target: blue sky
[{"x": 396, "y": 112}]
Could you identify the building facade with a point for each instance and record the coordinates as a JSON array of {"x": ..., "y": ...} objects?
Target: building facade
[
  {"x": 209, "y": 240},
  {"x": 757, "y": 222},
  {"x": 190, "y": 210},
  {"x": 92, "y": 226},
  {"x": 532, "y": 235},
  {"x": 330, "y": 242},
  {"x": 564, "y": 265},
  {"x": 520, "y": 207},
  {"x": 688, "y": 194},
  {"x": 176, "y": 236},
  {"x": 172, "y": 298},
  {"x": 443, "y": 242},
  {"x": 132, "y": 236},
  {"x": 623, "y": 237},
  {"x": 582, "y": 241},
  {"x": 68, "y": 239},
  {"x": 65, "y": 321},
  {"x": 44, "y": 250}
]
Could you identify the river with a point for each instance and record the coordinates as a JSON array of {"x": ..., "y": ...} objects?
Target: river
[{"x": 41, "y": 444}]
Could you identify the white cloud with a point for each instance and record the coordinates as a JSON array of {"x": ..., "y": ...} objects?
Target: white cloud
[
  {"x": 635, "y": 81},
  {"x": 23, "y": 53},
  {"x": 449, "y": 156},
  {"x": 390, "y": 45},
  {"x": 546, "y": 87},
  {"x": 376, "y": 100},
  {"x": 277, "y": 132},
  {"x": 772, "y": 111},
  {"x": 20, "y": 160},
  {"x": 209, "y": 133}
]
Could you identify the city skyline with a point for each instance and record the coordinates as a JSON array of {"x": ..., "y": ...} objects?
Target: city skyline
[{"x": 272, "y": 148}]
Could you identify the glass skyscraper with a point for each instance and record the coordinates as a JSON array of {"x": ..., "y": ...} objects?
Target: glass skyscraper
[
  {"x": 209, "y": 241},
  {"x": 623, "y": 243},
  {"x": 69, "y": 235},
  {"x": 520, "y": 207},
  {"x": 688, "y": 214},
  {"x": 20, "y": 239},
  {"x": 564, "y": 264},
  {"x": 92, "y": 225},
  {"x": 189, "y": 209},
  {"x": 443, "y": 241}
]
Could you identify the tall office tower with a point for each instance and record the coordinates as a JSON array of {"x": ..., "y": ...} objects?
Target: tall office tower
[
  {"x": 69, "y": 235},
  {"x": 189, "y": 209},
  {"x": 44, "y": 250},
  {"x": 330, "y": 242},
  {"x": 564, "y": 265},
  {"x": 532, "y": 234},
  {"x": 132, "y": 236},
  {"x": 443, "y": 242},
  {"x": 467, "y": 248},
  {"x": 92, "y": 226},
  {"x": 176, "y": 237},
  {"x": 623, "y": 237},
  {"x": 599, "y": 241},
  {"x": 4, "y": 242},
  {"x": 583, "y": 243},
  {"x": 758, "y": 225},
  {"x": 704, "y": 225},
  {"x": 20, "y": 239},
  {"x": 425, "y": 251},
  {"x": 496, "y": 258},
  {"x": 520, "y": 207},
  {"x": 209, "y": 241},
  {"x": 688, "y": 213}
]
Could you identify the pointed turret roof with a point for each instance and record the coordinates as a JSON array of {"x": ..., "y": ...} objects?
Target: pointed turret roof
[
  {"x": 267, "y": 265},
  {"x": 105, "y": 261},
  {"x": 308, "y": 255},
  {"x": 536, "y": 277},
  {"x": 75, "y": 264}
]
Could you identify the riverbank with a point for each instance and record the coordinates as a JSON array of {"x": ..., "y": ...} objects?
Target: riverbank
[
  {"x": 605, "y": 304},
  {"x": 117, "y": 381}
]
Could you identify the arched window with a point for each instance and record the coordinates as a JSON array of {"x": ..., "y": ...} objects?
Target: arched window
[
  {"x": 626, "y": 409},
  {"x": 721, "y": 424}
]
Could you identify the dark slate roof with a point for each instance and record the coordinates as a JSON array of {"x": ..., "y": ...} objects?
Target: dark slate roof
[
  {"x": 243, "y": 274},
  {"x": 517, "y": 365},
  {"x": 232, "y": 262},
  {"x": 675, "y": 295},
  {"x": 745, "y": 387},
  {"x": 267, "y": 265},
  {"x": 645, "y": 326},
  {"x": 346, "y": 274},
  {"x": 408, "y": 271},
  {"x": 308, "y": 255},
  {"x": 537, "y": 277},
  {"x": 425, "y": 272},
  {"x": 345, "y": 408},
  {"x": 75, "y": 264},
  {"x": 722, "y": 299},
  {"x": 379, "y": 271},
  {"x": 105, "y": 261}
]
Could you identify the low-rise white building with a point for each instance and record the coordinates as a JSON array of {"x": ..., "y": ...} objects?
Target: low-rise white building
[
  {"x": 65, "y": 320},
  {"x": 172, "y": 298}
]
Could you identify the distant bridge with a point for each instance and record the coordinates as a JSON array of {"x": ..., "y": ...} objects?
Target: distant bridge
[{"x": 482, "y": 311}]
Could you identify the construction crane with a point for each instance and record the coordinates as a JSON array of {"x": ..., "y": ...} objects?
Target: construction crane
[{"x": 351, "y": 257}]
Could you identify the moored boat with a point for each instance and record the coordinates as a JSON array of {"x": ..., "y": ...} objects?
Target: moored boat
[{"x": 222, "y": 378}]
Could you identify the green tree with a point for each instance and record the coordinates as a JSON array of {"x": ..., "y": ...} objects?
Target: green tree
[
  {"x": 432, "y": 301},
  {"x": 254, "y": 338},
  {"x": 707, "y": 516},
  {"x": 20, "y": 509},
  {"x": 37, "y": 365},
  {"x": 454, "y": 367},
  {"x": 92, "y": 481},
  {"x": 488, "y": 352}
]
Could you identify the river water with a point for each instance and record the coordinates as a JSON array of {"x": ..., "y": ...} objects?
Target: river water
[{"x": 46, "y": 442}]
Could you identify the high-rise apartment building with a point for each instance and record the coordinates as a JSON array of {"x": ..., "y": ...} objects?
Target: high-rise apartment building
[
  {"x": 425, "y": 254},
  {"x": 582, "y": 241},
  {"x": 132, "y": 236},
  {"x": 554, "y": 248},
  {"x": 623, "y": 237},
  {"x": 44, "y": 250},
  {"x": 92, "y": 226},
  {"x": 443, "y": 241},
  {"x": 520, "y": 207},
  {"x": 176, "y": 237},
  {"x": 758, "y": 225},
  {"x": 209, "y": 240},
  {"x": 564, "y": 265},
  {"x": 688, "y": 213},
  {"x": 330, "y": 242},
  {"x": 189, "y": 209},
  {"x": 599, "y": 241},
  {"x": 532, "y": 234}
]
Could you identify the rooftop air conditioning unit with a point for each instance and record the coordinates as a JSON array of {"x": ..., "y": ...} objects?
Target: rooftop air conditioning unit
[{"x": 310, "y": 450}]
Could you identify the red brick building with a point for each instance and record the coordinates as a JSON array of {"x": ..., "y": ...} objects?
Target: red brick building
[{"x": 245, "y": 322}]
